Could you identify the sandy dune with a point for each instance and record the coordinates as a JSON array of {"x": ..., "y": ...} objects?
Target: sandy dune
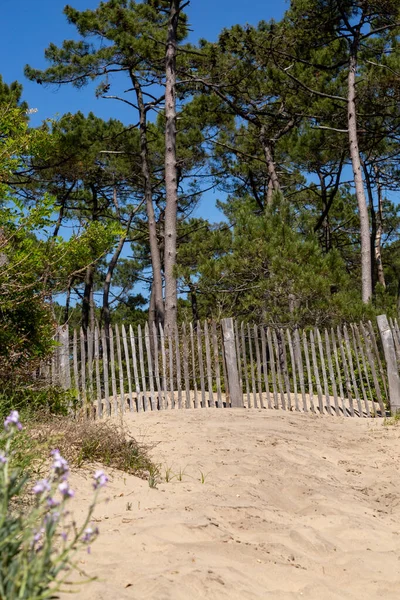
[{"x": 293, "y": 506}]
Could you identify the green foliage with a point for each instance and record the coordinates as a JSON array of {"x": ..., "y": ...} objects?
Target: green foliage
[{"x": 268, "y": 271}]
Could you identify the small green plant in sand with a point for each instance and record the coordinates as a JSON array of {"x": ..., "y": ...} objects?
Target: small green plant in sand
[
  {"x": 203, "y": 477},
  {"x": 169, "y": 475},
  {"x": 392, "y": 421},
  {"x": 180, "y": 474},
  {"x": 39, "y": 539}
]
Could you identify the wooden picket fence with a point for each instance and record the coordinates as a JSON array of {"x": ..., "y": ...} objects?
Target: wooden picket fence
[{"x": 339, "y": 371}]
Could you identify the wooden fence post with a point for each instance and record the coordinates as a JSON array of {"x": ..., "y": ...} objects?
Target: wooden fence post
[
  {"x": 231, "y": 363},
  {"x": 65, "y": 373},
  {"x": 391, "y": 363}
]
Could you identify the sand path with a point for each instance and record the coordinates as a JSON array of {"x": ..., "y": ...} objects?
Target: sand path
[{"x": 293, "y": 506}]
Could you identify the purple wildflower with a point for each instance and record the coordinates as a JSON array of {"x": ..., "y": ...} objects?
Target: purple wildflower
[
  {"x": 60, "y": 465},
  {"x": 89, "y": 534},
  {"x": 41, "y": 486},
  {"x": 100, "y": 479},
  {"x": 12, "y": 420},
  {"x": 64, "y": 535},
  {"x": 51, "y": 503},
  {"x": 66, "y": 490},
  {"x": 3, "y": 458},
  {"x": 38, "y": 536},
  {"x": 52, "y": 517}
]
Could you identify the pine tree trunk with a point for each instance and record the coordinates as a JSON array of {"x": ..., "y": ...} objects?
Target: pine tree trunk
[
  {"x": 148, "y": 193},
  {"x": 368, "y": 185},
  {"x": 274, "y": 185},
  {"x": 171, "y": 181},
  {"x": 378, "y": 237},
  {"x": 87, "y": 297},
  {"x": 366, "y": 279}
]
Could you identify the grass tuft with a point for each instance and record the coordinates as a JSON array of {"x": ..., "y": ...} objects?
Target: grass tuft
[{"x": 83, "y": 441}]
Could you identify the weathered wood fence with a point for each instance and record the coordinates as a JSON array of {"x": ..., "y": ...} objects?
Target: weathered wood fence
[{"x": 347, "y": 371}]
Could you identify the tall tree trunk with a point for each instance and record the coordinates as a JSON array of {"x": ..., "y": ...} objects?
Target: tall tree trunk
[
  {"x": 368, "y": 185},
  {"x": 366, "y": 279},
  {"x": 152, "y": 310},
  {"x": 171, "y": 182},
  {"x": 87, "y": 299},
  {"x": 269, "y": 159},
  {"x": 379, "y": 231},
  {"x": 148, "y": 193},
  {"x": 92, "y": 313}
]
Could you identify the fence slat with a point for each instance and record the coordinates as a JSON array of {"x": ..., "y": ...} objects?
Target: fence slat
[
  {"x": 324, "y": 376},
  {"x": 246, "y": 374},
  {"x": 128, "y": 366},
  {"x": 178, "y": 366},
  {"x": 135, "y": 369},
  {"x": 378, "y": 358},
  {"x": 208, "y": 363},
  {"x": 308, "y": 367},
  {"x": 97, "y": 366},
  {"x": 352, "y": 372},
  {"x": 149, "y": 365},
  {"x": 90, "y": 341},
  {"x": 186, "y": 366},
  {"x": 299, "y": 362},
  {"x": 293, "y": 363},
  {"x": 229, "y": 345},
  {"x": 346, "y": 371},
  {"x": 272, "y": 363},
  {"x": 216, "y": 362},
  {"x": 316, "y": 374},
  {"x": 105, "y": 373},
  {"x": 201, "y": 365},
  {"x": 397, "y": 330},
  {"x": 83, "y": 367},
  {"x": 357, "y": 351},
  {"x": 113, "y": 375},
  {"x": 392, "y": 367},
  {"x": 371, "y": 362},
  {"x": 164, "y": 368},
  {"x": 142, "y": 369},
  {"x": 156, "y": 366},
  {"x": 121, "y": 372},
  {"x": 253, "y": 379},
  {"x": 395, "y": 339},
  {"x": 224, "y": 371},
  {"x": 170, "y": 356},
  {"x": 339, "y": 374},
  {"x": 192, "y": 346},
  {"x": 258, "y": 359},
  {"x": 76, "y": 368},
  {"x": 331, "y": 372},
  {"x": 283, "y": 355},
  {"x": 278, "y": 369},
  {"x": 365, "y": 369},
  {"x": 265, "y": 366},
  {"x": 239, "y": 361}
]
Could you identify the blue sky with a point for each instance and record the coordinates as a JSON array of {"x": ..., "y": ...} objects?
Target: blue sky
[{"x": 29, "y": 27}]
